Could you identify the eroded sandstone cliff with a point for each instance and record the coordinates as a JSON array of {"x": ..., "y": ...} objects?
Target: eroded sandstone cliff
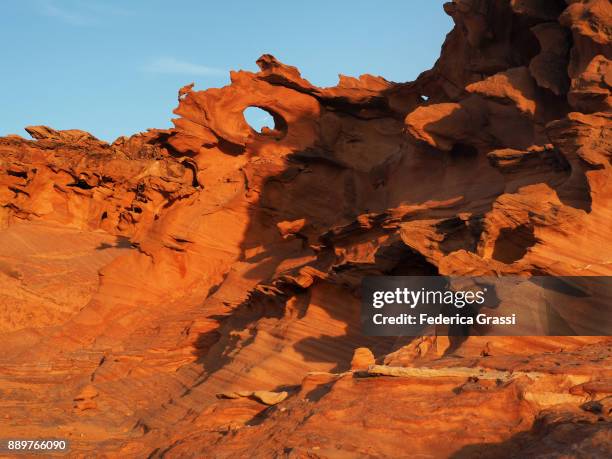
[{"x": 153, "y": 287}]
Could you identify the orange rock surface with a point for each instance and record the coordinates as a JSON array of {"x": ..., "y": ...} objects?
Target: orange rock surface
[{"x": 140, "y": 280}]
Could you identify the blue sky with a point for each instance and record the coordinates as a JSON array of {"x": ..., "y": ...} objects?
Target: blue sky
[{"x": 114, "y": 67}]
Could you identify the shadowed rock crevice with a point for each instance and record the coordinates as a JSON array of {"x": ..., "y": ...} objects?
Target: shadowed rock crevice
[{"x": 512, "y": 243}]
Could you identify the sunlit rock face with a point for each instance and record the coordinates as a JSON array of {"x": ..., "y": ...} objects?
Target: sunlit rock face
[{"x": 142, "y": 278}]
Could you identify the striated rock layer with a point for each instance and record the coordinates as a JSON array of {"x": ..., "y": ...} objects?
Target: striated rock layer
[{"x": 193, "y": 292}]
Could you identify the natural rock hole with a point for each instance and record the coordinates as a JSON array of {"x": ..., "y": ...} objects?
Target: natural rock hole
[
  {"x": 413, "y": 263},
  {"x": 512, "y": 243},
  {"x": 82, "y": 184},
  {"x": 264, "y": 121},
  {"x": 191, "y": 165},
  {"x": 463, "y": 151},
  {"x": 20, "y": 174}
]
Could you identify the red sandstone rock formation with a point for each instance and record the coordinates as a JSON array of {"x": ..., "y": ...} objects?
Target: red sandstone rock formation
[{"x": 142, "y": 279}]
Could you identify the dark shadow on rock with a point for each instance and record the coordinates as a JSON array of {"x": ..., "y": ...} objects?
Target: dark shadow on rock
[
  {"x": 512, "y": 243},
  {"x": 563, "y": 438},
  {"x": 319, "y": 391},
  {"x": 121, "y": 242}
]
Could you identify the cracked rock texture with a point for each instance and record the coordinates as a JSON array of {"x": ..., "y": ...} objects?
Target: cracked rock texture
[{"x": 142, "y": 278}]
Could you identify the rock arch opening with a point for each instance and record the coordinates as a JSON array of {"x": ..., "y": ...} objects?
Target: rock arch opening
[{"x": 264, "y": 121}]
